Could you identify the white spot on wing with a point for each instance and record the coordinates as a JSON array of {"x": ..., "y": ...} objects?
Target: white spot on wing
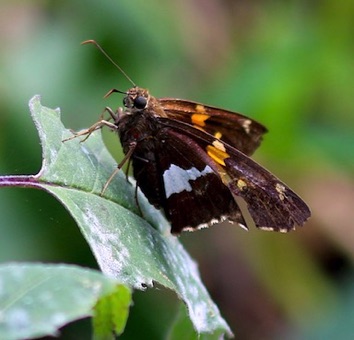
[
  {"x": 246, "y": 125},
  {"x": 280, "y": 188},
  {"x": 177, "y": 179}
]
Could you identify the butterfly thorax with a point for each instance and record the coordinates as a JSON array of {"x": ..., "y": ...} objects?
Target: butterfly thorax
[{"x": 137, "y": 123}]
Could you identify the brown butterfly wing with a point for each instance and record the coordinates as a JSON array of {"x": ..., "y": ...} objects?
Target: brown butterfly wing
[
  {"x": 239, "y": 131},
  {"x": 271, "y": 203}
]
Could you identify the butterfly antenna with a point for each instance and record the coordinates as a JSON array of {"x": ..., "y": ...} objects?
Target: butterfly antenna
[{"x": 109, "y": 58}]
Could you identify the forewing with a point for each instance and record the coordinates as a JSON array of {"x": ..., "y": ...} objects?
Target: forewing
[
  {"x": 232, "y": 128},
  {"x": 272, "y": 204}
]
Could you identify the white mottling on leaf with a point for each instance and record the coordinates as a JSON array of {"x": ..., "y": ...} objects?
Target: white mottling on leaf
[
  {"x": 125, "y": 246},
  {"x": 17, "y": 318}
]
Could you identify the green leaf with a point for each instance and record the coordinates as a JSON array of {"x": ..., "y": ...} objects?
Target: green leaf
[
  {"x": 183, "y": 329},
  {"x": 125, "y": 245},
  {"x": 111, "y": 313},
  {"x": 37, "y": 299}
]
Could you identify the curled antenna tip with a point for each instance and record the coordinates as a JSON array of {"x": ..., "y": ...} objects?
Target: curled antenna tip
[
  {"x": 90, "y": 41},
  {"x": 113, "y": 91}
]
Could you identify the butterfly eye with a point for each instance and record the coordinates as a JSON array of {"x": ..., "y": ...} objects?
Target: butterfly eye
[{"x": 140, "y": 102}]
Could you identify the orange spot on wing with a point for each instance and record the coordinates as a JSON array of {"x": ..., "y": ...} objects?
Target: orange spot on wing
[
  {"x": 200, "y": 108},
  {"x": 218, "y": 135},
  {"x": 199, "y": 119},
  {"x": 217, "y": 155}
]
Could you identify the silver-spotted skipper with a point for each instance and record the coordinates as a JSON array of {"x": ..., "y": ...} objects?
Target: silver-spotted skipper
[{"x": 192, "y": 160}]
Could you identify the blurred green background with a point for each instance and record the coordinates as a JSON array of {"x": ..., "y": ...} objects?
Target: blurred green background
[{"x": 289, "y": 65}]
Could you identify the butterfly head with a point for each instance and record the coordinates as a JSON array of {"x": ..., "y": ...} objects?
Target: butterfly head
[{"x": 136, "y": 100}]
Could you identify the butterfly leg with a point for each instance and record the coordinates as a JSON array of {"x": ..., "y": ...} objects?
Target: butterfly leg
[
  {"x": 98, "y": 125},
  {"x": 115, "y": 115},
  {"x": 137, "y": 199},
  {"x": 119, "y": 166}
]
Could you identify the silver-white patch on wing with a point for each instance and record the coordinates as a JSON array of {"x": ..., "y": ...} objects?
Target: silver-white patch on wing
[{"x": 177, "y": 179}]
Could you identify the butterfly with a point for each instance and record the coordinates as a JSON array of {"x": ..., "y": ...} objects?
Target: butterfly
[{"x": 192, "y": 161}]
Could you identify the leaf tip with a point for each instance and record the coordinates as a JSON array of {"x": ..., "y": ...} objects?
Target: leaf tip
[{"x": 36, "y": 99}]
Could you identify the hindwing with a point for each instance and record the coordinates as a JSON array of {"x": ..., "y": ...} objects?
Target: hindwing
[{"x": 271, "y": 204}]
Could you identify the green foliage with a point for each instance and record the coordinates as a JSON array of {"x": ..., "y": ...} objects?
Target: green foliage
[
  {"x": 37, "y": 299},
  {"x": 111, "y": 313},
  {"x": 287, "y": 64},
  {"x": 125, "y": 245},
  {"x": 182, "y": 328}
]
